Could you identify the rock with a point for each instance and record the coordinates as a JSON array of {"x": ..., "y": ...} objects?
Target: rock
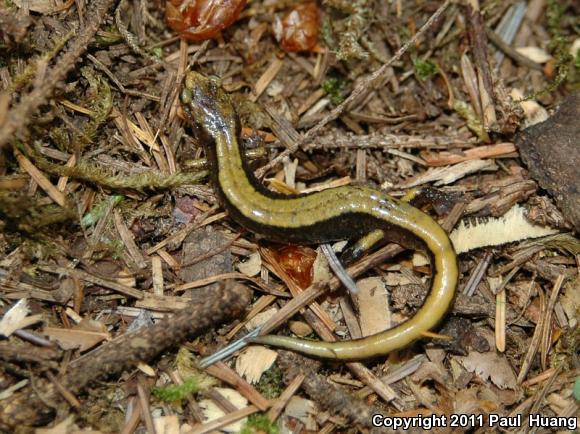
[{"x": 551, "y": 150}]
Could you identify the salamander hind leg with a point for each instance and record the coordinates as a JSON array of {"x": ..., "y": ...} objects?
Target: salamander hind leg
[{"x": 360, "y": 246}]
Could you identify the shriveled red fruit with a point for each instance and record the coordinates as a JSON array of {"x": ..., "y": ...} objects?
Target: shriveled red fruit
[
  {"x": 298, "y": 30},
  {"x": 197, "y": 20},
  {"x": 297, "y": 261}
]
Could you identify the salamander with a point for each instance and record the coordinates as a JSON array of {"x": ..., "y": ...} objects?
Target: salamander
[{"x": 347, "y": 212}]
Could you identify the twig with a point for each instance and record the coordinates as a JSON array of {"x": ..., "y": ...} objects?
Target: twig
[
  {"x": 27, "y": 408},
  {"x": 536, "y": 339},
  {"x": 478, "y": 41},
  {"x": 546, "y": 339}
]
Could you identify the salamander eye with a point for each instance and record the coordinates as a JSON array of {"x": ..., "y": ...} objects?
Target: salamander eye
[
  {"x": 215, "y": 80},
  {"x": 186, "y": 96}
]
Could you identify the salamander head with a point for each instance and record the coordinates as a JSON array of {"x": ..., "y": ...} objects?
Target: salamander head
[{"x": 207, "y": 105}]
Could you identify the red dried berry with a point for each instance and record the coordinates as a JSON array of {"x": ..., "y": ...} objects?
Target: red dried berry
[
  {"x": 197, "y": 20},
  {"x": 298, "y": 30},
  {"x": 297, "y": 261}
]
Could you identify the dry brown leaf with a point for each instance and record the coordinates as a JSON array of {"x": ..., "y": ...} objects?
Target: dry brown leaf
[
  {"x": 146, "y": 369},
  {"x": 536, "y": 54},
  {"x": 67, "y": 426},
  {"x": 83, "y": 336},
  {"x": 300, "y": 328},
  {"x": 490, "y": 365},
  {"x": 534, "y": 113},
  {"x": 420, "y": 259},
  {"x": 575, "y": 47},
  {"x": 570, "y": 301},
  {"x": 466, "y": 401},
  {"x": 261, "y": 318},
  {"x": 127, "y": 278},
  {"x": 512, "y": 226},
  {"x": 398, "y": 279},
  {"x": 430, "y": 371},
  {"x": 320, "y": 269}
]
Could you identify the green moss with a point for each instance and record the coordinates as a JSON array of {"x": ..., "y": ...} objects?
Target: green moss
[
  {"x": 271, "y": 385},
  {"x": 23, "y": 78},
  {"x": 259, "y": 424},
  {"x": 157, "y": 52},
  {"x": 327, "y": 33},
  {"x": 104, "y": 177},
  {"x": 178, "y": 392},
  {"x": 21, "y": 212},
  {"x": 193, "y": 379},
  {"x": 424, "y": 68},
  {"x": 95, "y": 214},
  {"x": 107, "y": 37},
  {"x": 554, "y": 19},
  {"x": 100, "y": 101},
  {"x": 334, "y": 88},
  {"x": 474, "y": 122}
]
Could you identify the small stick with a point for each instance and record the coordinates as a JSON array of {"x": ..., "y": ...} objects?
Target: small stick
[
  {"x": 143, "y": 396},
  {"x": 547, "y": 326},
  {"x": 27, "y": 408}
]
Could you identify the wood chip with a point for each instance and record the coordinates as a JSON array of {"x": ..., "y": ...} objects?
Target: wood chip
[
  {"x": 17, "y": 318},
  {"x": 157, "y": 275},
  {"x": 254, "y": 361},
  {"x": 373, "y": 306}
]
